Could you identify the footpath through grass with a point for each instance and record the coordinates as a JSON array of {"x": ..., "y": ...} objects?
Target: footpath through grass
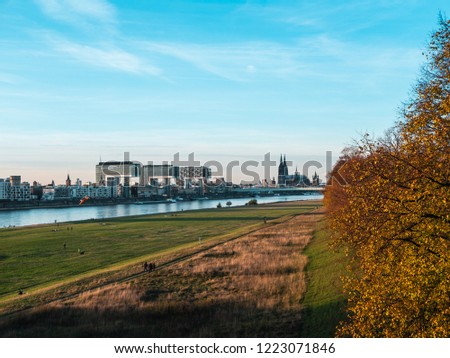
[
  {"x": 324, "y": 302},
  {"x": 40, "y": 256}
]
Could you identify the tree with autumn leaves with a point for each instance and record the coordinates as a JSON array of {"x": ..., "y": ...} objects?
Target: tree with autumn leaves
[{"x": 388, "y": 204}]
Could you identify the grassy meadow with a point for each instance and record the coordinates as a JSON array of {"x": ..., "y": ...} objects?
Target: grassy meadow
[
  {"x": 261, "y": 283},
  {"x": 324, "y": 302},
  {"x": 35, "y": 257}
]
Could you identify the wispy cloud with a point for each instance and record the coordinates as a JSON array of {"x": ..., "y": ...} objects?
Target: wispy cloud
[
  {"x": 107, "y": 58},
  {"x": 318, "y": 56},
  {"x": 236, "y": 62},
  {"x": 305, "y": 14},
  {"x": 354, "y": 57},
  {"x": 79, "y": 12},
  {"x": 9, "y": 79},
  {"x": 341, "y": 18},
  {"x": 312, "y": 54}
]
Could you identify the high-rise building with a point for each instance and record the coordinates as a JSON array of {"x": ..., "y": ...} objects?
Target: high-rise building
[
  {"x": 4, "y": 189},
  {"x": 126, "y": 171},
  {"x": 195, "y": 172},
  {"x": 159, "y": 174},
  {"x": 15, "y": 180},
  {"x": 12, "y": 189}
]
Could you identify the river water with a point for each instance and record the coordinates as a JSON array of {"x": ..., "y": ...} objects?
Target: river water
[{"x": 50, "y": 215}]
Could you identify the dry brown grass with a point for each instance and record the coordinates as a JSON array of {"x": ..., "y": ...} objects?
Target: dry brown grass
[{"x": 249, "y": 287}]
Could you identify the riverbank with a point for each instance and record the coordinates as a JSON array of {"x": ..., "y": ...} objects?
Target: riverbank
[
  {"x": 6, "y": 205},
  {"x": 245, "y": 283},
  {"x": 36, "y": 257},
  {"x": 33, "y": 216},
  {"x": 61, "y": 204}
]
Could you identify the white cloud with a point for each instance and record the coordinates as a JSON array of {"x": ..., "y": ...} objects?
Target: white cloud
[
  {"x": 315, "y": 57},
  {"x": 232, "y": 62},
  {"x": 355, "y": 57},
  {"x": 9, "y": 79},
  {"x": 78, "y": 12},
  {"x": 251, "y": 69},
  {"x": 112, "y": 58}
]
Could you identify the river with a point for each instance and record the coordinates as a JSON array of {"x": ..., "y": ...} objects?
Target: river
[{"x": 51, "y": 215}]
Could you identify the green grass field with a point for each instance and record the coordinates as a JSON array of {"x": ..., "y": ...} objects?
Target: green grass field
[
  {"x": 35, "y": 257},
  {"x": 324, "y": 301}
]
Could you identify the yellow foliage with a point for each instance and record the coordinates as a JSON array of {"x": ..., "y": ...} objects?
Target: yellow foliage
[{"x": 390, "y": 208}]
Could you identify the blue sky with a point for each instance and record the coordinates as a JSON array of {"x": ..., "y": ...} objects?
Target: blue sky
[{"x": 227, "y": 80}]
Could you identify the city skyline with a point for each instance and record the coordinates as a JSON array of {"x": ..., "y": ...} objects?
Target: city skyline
[
  {"x": 228, "y": 80},
  {"x": 253, "y": 172}
]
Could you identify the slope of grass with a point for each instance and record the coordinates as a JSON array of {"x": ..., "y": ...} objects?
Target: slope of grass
[
  {"x": 33, "y": 257},
  {"x": 324, "y": 302},
  {"x": 248, "y": 287}
]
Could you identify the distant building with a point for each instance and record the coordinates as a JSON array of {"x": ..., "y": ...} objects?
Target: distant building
[
  {"x": 159, "y": 174},
  {"x": 195, "y": 178},
  {"x": 282, "y": 171},
  {"x": 13, "y": 189},
  {"x": 15, "y": 180},
  {"x": 126, "y": 171},
  {"x": 112, "y": 181},
  {"x": 316, "y": 179},
  {"x": 96, "y": 192},
  {"x": 36, "y": 190},
  {"x": 20, "y": 191},
  {"x": 61, "y": 192},
  {"x": 195, "y": 172},
  {"x": 287, "y": 180},
  {"x": 4, "y": 189}
]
